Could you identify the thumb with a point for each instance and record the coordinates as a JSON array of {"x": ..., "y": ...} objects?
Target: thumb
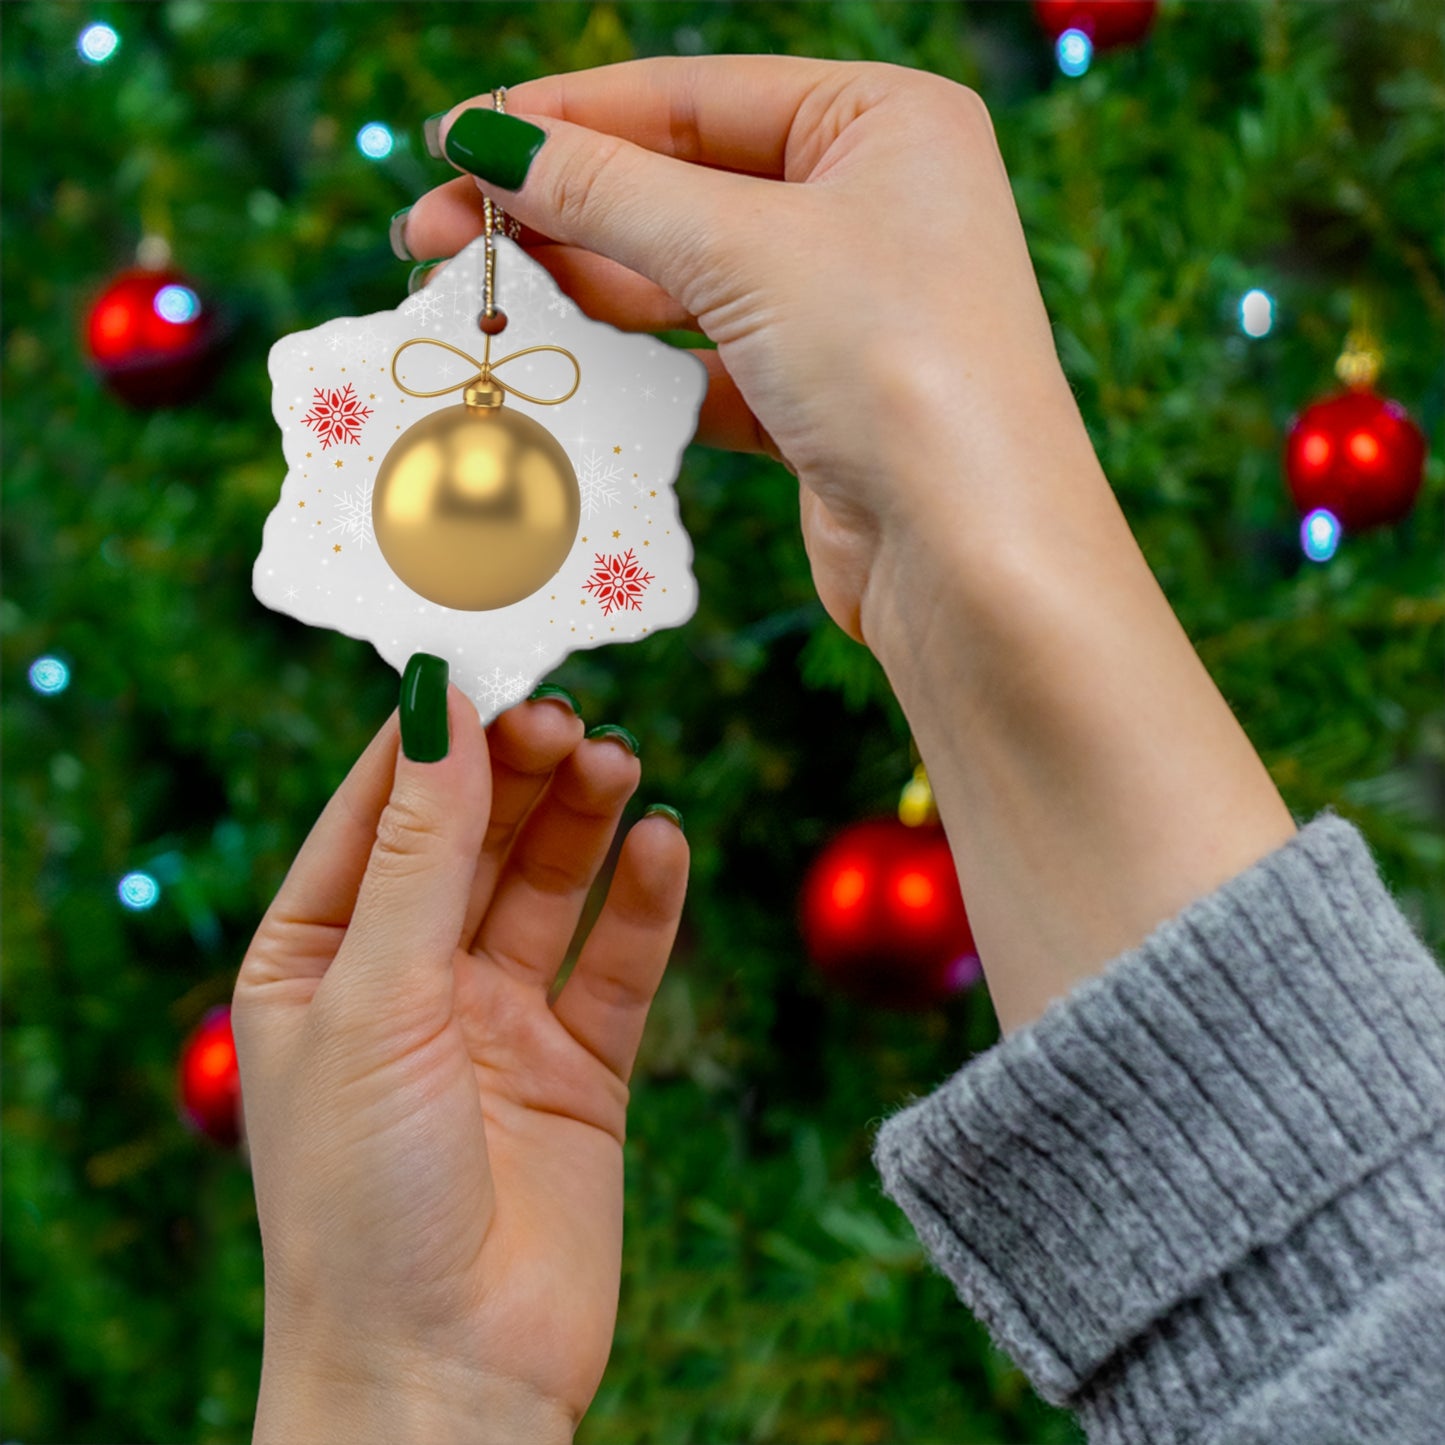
[
  {"x": 663, "y": 218},
  {"x": 407, "y": 923}
]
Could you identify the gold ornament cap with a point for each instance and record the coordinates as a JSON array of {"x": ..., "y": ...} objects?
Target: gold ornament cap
[{"x": 915, "y": 804}]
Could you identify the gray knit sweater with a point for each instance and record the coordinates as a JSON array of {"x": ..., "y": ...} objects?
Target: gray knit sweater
[{"x": 1202, "y": 1198}]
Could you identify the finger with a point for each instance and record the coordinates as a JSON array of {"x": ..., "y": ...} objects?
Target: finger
[
  {"x": 300, "y": 931},
  {"x": 395, "y": 963},
  {"x": 725, "y": 419},
  {"x": 526, "y": 744},
  {"x": 543, "y": 885},
  {"x": 438, "y": 226},
  {"x": 736, "y": 112},
  {"x": 605, "y": 1000},
  {"x": 659, "y": 217},
  {"x": 448, "y": 217}
]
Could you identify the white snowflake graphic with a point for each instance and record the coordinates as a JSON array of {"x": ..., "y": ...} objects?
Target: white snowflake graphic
[
  {"x": 597, "y": 481},
  {"x": 502, "y": 690},
  {"x": 353, "y": 514},
  {"x": 337, "y": 340},
  {"x": 561, "y": 305},
  {"x": 618, "y": 582},
  {"x": 365, "y": 342},
  {"x": 336, "y": 415},
  {"x": 424, "y": 308}
]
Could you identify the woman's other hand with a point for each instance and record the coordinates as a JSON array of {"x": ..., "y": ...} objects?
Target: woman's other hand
[{"x": 437, "y": 1148}]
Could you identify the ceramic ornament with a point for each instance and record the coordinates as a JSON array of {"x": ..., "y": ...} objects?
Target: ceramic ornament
[{"x": 489, "y": 524}]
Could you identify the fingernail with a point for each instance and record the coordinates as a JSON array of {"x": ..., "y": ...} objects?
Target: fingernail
[
  {"x": 498, "y": 148},
  {"x": 414, "y": 281},
  {"x": 550, "y": 689},
  {"x": 431, "y": 133},
  {"x": 396, "y": 231},
  {"x": 614, "y": 730},
  {"x": 667, "y": 812},
  {"x": 425, "y": 736}
]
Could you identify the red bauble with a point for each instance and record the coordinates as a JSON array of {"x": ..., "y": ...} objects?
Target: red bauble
[
  {"x": 883, "y": 917},
  {"x": 210, "y": 1081},
  {"x": 152, "y": 338},
  {"x": 1357, "y": 455},
  {"x": 1107, "y": 23}
]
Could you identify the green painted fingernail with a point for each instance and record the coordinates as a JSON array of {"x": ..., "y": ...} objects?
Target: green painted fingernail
[
  {"x": 431, "y": 133},
  {"x": 667, "y": 811},
  {"x": 550, "y": 689},
  {"x": 414, "y": 281},
  {"x": 425, "y": 736},
  {"x": 498, "y": 148},
  {"x": 396, "y": 233},
  {"x": 614, "y": 730}
]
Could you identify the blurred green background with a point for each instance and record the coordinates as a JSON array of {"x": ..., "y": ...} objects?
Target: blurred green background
[{"x": 770, "y": 1292}]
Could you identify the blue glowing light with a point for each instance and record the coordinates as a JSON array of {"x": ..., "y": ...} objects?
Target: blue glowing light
[
  {"x": 1074, "y": 51},
  {"x": 138, "y": 891},
  {"x": 97, "y": 43},
  {"x": 1256, "y": 313},
  {"x": 1319, "y": 535},
  {"x": 177, "y": 303},
  {"x": 375, "y": 140},
  {"x": 49, "y": 675}
]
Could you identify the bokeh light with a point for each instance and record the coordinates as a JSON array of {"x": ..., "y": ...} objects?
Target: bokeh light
[
  {"x": 138, "y": 891},
  {"x": 375, "y": 141},
  {"x": 1256, "y": 313},
  {"x": 49, "y": 675},
  {"x": 1075, "y": 51},
  {"x": 1319, "y": 535},
  {"x": 97, "y": 43},
  {"x": 177, "y": 303}
]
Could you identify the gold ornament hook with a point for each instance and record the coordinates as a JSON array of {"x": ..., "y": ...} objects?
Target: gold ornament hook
[{"x": 486, "y": 367}]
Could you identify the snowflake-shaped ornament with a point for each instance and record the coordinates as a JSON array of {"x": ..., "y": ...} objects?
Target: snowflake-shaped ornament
[{"x": 629, "y": 570}]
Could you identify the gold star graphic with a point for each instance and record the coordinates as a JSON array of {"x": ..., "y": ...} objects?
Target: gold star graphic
[
  {"x": 615, "y": 534},
  {"x": 300, "y": 504},
  {"x": 338, "y": 463},
  {"x": 337, "y": 547},
  {"x": 652, "y": 494},
  {"x": 308, "y": 454},
  {"x": 616, "y": 451}
]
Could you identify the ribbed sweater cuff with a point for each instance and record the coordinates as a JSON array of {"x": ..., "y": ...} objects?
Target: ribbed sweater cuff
[{"x": 1195, "y": 1114}]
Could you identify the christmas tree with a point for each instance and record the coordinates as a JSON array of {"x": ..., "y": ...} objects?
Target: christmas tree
[{"x": 169, "y": 742}]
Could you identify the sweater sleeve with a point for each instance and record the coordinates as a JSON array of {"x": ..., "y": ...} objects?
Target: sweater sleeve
[{"x": 1202, "y": 1198}]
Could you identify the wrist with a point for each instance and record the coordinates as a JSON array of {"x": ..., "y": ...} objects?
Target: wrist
[
  {"x": 404, "y": 1399},
  {"x": 1091, "y": 778}
]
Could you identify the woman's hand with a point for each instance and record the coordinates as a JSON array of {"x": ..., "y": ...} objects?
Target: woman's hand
[
  {"x": 437, "y": 1149},
  {"x": 847, "y": 235},
  {"x": 878, "y": 324}
]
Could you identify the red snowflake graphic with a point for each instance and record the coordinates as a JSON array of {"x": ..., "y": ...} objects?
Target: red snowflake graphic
[
  {"x": 336, "y": 415},
  {"x": 618, "y": 582}
]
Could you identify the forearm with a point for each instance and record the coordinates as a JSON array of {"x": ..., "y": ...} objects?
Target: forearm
[
  {"x": 1091, "y": 778},
  {"x": 302, "y": 1401}
]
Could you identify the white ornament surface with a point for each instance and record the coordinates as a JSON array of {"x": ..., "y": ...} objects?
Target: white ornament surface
[{"x": 624, "y": 430}]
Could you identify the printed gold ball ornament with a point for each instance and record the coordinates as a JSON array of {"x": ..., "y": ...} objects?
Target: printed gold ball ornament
[{"x": 476, "y": 506}]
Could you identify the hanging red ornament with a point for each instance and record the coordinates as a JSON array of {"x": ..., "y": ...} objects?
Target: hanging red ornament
[
  {"x": 152, "y": 338},
  {"x": 1355, "y": 454},
  {"x": 1107, "y": 23},
  {"x": 210, "y": 1080},
  {"x": 883, "y": 917}
]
